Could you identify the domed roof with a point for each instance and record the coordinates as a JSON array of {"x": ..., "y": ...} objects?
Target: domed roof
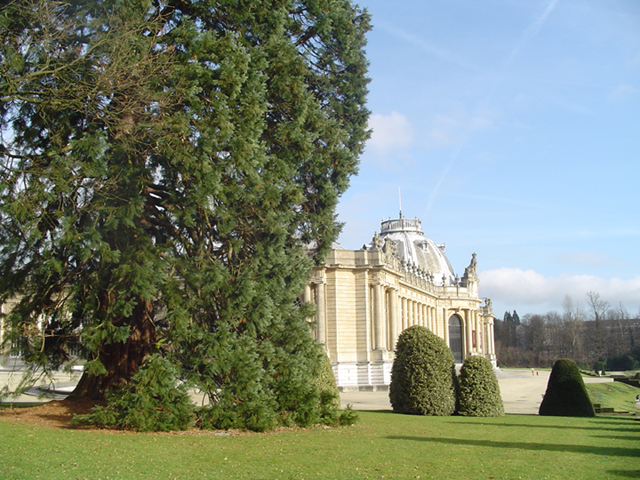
[{"x": 413, "y": 247}]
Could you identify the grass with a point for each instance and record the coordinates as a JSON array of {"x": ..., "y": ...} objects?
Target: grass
[
  {"x": 617, "y": 395},
  {"x": 19, "y": 404},
  {"x": 381, "y": 445}
]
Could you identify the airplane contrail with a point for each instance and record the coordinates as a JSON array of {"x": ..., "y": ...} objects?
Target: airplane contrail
[
  {"x": 530, "y": 32},
  {"x": 454, "y": 156},
  {"x": 430, "y": 48}
]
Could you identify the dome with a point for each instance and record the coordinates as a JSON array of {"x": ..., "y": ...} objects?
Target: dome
[{"x": 413, "y": 247}]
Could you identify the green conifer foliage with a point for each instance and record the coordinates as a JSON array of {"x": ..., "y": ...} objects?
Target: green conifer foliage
[
  {"x": 422, "y": 374},
  {"x": 566, "y": 395},
  {"x": 329, "y": 394},
  {"x": 479, "y": 391},
  {"x": 154, "y": 400},
  {"x": 163, "y": 166}
]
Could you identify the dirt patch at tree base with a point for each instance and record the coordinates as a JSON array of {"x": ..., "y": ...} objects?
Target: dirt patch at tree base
[
  {"x": 58, "y": 413},
  {"x": 53, "y": 414}
]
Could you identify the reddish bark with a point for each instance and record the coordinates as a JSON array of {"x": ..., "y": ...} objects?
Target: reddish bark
[{"x": 121, "y": 359}]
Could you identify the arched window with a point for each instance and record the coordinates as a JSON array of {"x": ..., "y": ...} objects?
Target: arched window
[{"x": 455, "y": 337}]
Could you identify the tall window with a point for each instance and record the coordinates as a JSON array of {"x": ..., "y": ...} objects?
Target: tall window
[{"x": 455, "y": 337}]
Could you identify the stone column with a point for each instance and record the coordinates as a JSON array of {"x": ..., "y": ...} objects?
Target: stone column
[
  {"x": 469, "y": 331},
  {"x": 479, "y": 332},
  {"x": 492, "y": 350},
  {"x": 477, "y": 328},
  {"x": 322, "y": 320},
  {"x": 434, "y": 320},
  {"x": 414, "y": 313},
  {"x": 393, "y": 318},
  {"x": 403, "y": 312},
  {"x": 427, "y": 322},
  {"x": 379, "y": 316},
  {"x": 445, "y": 322},
  {"x": 307, "y": 293}
]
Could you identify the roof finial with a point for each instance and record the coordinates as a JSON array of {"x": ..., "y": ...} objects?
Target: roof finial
[{"x": 400, "y": 201}]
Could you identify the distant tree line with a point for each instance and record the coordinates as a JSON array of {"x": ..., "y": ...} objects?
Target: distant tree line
[{"x": 597, "y": 336}]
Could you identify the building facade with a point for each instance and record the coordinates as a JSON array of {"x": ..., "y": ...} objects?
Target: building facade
[{"x": 365, "y": 298}]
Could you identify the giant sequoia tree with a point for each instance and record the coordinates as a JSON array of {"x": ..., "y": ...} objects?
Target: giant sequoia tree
[{"x": 163, "y": 164}]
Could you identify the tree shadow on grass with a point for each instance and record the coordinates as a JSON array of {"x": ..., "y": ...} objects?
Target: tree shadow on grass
[
  {"x": 625, "y": 473},
  {"x": 550, "y": 447},
  {"x": 379, "y": 411},
  {"x": 631, "y": 438},
  {"x": 619, "y": 420},
  {"x": 563, "y": 427}
]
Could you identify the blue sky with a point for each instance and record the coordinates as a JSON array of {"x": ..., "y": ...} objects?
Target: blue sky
[{"x": 513, "y": 129}]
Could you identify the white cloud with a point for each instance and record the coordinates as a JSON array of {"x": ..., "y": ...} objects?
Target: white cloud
[
  {"x": 515, "y": 287},
  {"x": 394, "y": 133},
  {"x": 390, "y": 132}
]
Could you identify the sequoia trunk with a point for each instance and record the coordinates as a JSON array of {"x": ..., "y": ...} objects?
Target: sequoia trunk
[{"x": 121, "y": 359}]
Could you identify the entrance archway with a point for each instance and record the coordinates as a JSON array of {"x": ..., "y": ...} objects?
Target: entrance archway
[{"x": 455, "y": 337}]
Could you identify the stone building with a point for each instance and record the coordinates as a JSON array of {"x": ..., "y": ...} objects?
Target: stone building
[{"x": 365, "y": 298}]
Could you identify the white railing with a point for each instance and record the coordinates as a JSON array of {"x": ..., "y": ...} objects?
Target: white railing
[{"x": 401, "y": 225}]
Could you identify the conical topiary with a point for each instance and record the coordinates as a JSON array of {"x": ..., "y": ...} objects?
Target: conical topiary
[
  {"x": 566, "y": 395},
  {"x": 479, "y": 391},
  {"x": 421, "y": 376}
]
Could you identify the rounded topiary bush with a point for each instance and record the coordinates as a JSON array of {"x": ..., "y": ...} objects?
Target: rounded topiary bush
[
  {"x": 478, "y": 389},
  {"x": 566, "y": 395},
  {"x": 329, "y": 401},
  {"x": 326, "y": 382},
  {"x": 422, "y": 374},
  {"x": 329, "y": 395}
]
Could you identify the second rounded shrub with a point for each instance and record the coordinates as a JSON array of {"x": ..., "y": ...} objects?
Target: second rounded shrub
[{"x": 479, "y": 391}]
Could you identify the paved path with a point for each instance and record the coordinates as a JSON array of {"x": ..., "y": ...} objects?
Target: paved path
[
  {"x": 60, "y": 382},
  {"x": 521, "y": 392}
]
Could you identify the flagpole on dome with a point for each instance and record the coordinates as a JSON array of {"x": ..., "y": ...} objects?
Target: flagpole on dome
[{"x": 400, "y": 201}]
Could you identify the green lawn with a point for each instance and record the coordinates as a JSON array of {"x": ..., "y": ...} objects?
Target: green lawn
[
  {"x": 616, "y": 395},
  {"x": 381, "y": 445}
]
